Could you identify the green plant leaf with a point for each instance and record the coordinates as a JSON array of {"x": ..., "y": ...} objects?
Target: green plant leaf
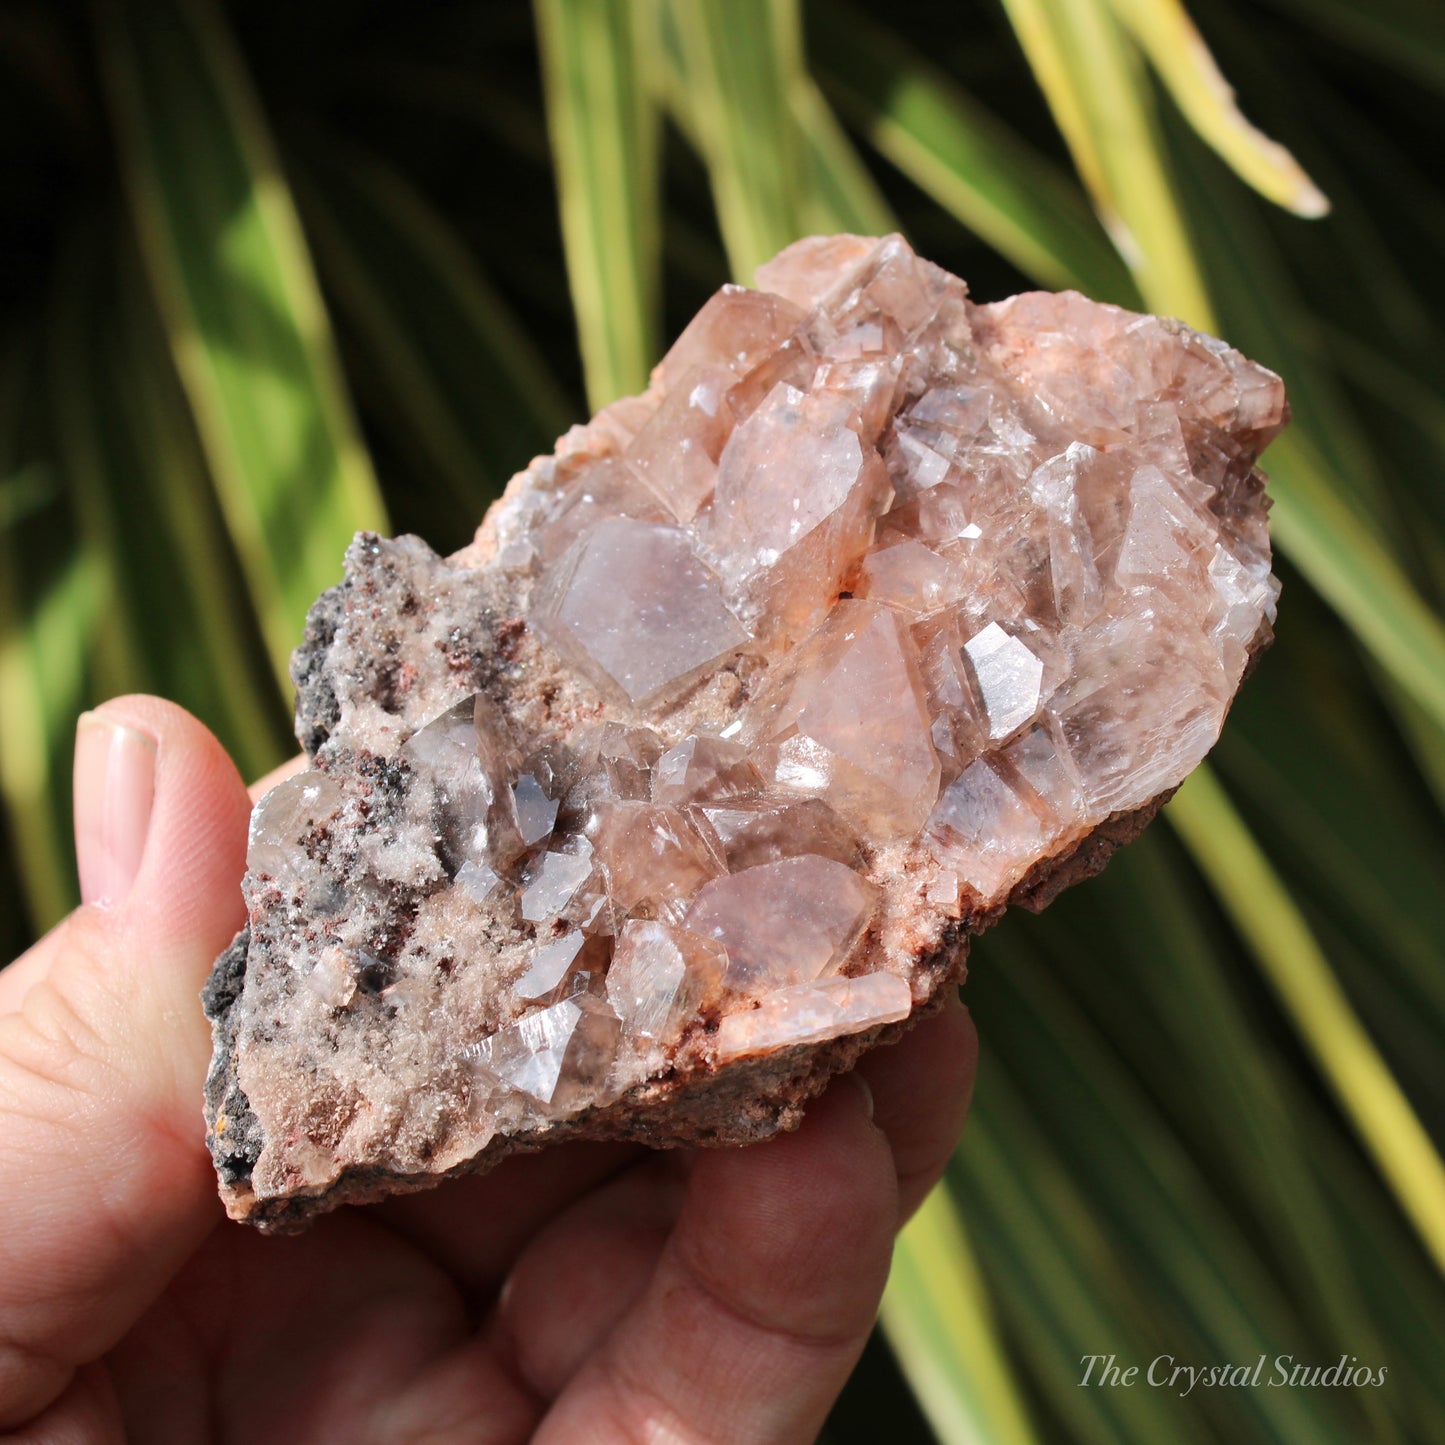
[
  {"x": 1130, "y": 1094},
  {"x": 147, "y": 513},
  {"x": 43, "y": 639},
  {"x": 741, "y": 63},
  {"x": 843, "y": 195},
  {"x": 940, "y": 1323},
  {"x": 1060, "y": 1284},
  {"x": 604, "y": 127},
  {"x": 153, "y": 453},
  {"x": 1267, "y": 917},
  {"x": 452, "y": 362},
  {"x": 1094, "y": 81},
  {"x": 225, "y": 256},
  {"x": 1356, "y": 575},
  {"x": 47, "y": 607},
  {"x": 1184, "y": 63},
  {"x": 123, "y": 660},
  {"x": 1172, "y": 1006},
  {"x": 1214, "y": 1290},
  {"x": 1408, "y": 36},
  {"x": 23, "y": 494},
  {"x": 965, "y": 158}
]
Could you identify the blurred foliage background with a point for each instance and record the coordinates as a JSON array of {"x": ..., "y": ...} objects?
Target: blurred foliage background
[{"x": 269, "y": 273}]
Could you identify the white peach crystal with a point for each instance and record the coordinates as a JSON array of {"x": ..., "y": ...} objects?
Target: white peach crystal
[{"x": 871, "y": 609}]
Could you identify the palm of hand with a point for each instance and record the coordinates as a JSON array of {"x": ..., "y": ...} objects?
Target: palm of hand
[{"x": 591, "y": 1292}]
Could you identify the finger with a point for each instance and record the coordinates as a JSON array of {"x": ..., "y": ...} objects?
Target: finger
[
  {"x": 761, "y": 1301},
  {"x": 114, "y": 828},
  {"x": 922, "y": 1088},
  {"x": 584, "y": 1271},
  {"x": 86, "y": 1413},
  {"x": 344, "y": 1334},
  {"x": 104, "y": 1181},
  {"x": 474, "y": 1228},
  {"x": 288, "y": 769}
]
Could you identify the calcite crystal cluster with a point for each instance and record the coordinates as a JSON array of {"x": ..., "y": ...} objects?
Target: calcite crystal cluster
[{"x": 689, "y": 778}]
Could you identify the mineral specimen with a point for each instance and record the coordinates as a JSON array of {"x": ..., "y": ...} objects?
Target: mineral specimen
[{"x": 687, "y": 781}]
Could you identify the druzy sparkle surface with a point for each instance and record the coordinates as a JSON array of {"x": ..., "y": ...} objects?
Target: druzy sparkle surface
[{"x": 873, "y": 605}]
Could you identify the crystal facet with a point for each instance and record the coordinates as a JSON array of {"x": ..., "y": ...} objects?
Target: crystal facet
[
  {"x": 797, "y": 497},
  {"x": 639, "y": 609},
  {"x": 553, "y": 882},
  {"x": 282, "y": 820},
  {"x": 808, "y": 1012},
  {"x": 1009, "y": 679},
  {"x": 786, "y": 922},
  {"x": 549, "y": 966},
  {"x": 854, "y": 725},
  {"x": 661, "y": 975}
]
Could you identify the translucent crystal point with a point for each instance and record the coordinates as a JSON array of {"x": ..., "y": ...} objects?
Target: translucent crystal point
[
  {"x": 786, "y": 922},
  {"x": 528, "y": 1055},
  {"x": 662, "y": 975},
  {"x": 553, "y": 881},
  {"x": 853, "y": 724},
  {"x": 639, "y": 610},
  {"x": 652, "y": 852},
  {"x": 536, "y": 812},
  {"x": 810, "y": 1012},
  {"x": 554, "y": 1055},
  {"x": 706, "y": 772},
  {"x": 797, "y": 500},
  {"x": 285, "y": 817},
  {"x": 464, "y": 757},
  {"x": 984, "y": 831},
  {"x": 549, "y": 966},
  {"x": 1010, "y": 679}
]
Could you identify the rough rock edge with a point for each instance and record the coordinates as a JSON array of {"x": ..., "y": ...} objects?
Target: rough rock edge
[
  {"x": 317, "y": 708},
  {"x": 742, "y": 1102},
  {"x": 233, "y": 1133}
]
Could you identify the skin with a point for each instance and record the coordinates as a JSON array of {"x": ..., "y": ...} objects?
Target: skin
[{"x": 591, "y": 1292}]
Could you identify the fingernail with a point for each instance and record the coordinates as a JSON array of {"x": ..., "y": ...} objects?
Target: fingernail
[{"x": 115, "y": 781}]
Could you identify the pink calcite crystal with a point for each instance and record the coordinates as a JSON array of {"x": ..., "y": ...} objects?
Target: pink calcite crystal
[{"x": 687, "y": 781}]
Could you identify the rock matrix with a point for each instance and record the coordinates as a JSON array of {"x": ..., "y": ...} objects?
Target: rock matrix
[{"x": 688, "y": 780}]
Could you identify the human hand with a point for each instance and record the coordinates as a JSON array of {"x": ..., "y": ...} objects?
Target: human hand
[{"x": 587, "y": 1293}]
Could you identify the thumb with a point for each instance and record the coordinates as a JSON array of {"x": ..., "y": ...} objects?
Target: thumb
[{"x": 105, "y": 1186}]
